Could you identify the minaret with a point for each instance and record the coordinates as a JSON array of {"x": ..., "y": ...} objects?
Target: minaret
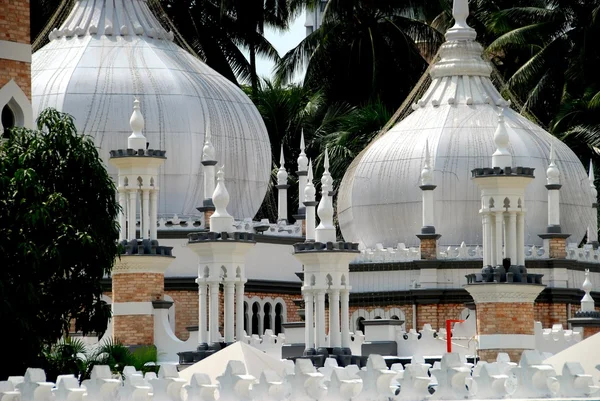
[
  {"x": 554, "y": 238},
  {"x": 310, "y": 204},
  {"x": 587, "y": 317},
  {"x": 326, "y": 272},
  {"x": 15, "y": 67},
  {"x": 222, "y": 257},
  {"x": 302, "y": 181},
  {"x": 209, "y": 162},
  {"x": 325, "y": 232},
  {"x": 282, "y": 187},
  {"x": 592, "y": 237},
  {"x": 428, "y": 236},
  {"x": 138, "y": 275},
  {"x": 504, "y": 293}
]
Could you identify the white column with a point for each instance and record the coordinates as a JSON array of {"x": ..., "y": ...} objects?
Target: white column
[
  {"x": 512, "y": 237},
  {"x": 521, "y": 238},
  {"x": 310, "y": 222},
  {"x": 345, "y": 317},
  {"x": 334, "y": 318},
  {"x": 239, "y": 310},
  {"x": 553, "y": 207},
  {"x": 146, "y": 214},
  {"x": 131, "y": 217},
  {"x": 491, "y": 238},
  {"x": 320, "y": 320},
  {"x": 309, "y": 330},
  {"x": 486, "y": 249},
  {"x": 428, "y": 218},
  {"x": 153, "y": 214},
  {"x": 123, "y": 215},
  {"x": 229, "y": 317},
  {"x": 202, "y": 304},
  {"x": 209, "y": 180},
  {"x": 498, "y": 239},
  {"x": 302, "y": 181},
  {"x": 282, "y": 202},
  {"x": 213, "y": 316}
]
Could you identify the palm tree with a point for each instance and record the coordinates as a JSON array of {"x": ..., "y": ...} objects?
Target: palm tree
[{"x": 365, "y": 51}]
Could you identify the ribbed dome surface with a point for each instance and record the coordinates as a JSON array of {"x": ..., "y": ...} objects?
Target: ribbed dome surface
[
  {"x": 106, "y": 53},
  {"x": 380, "y": 199}
]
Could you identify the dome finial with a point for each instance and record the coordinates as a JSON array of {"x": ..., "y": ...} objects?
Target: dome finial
[
  {"x": 501, "y": 157},
  {"x": 309, "y": 191},
  {"x": 325, "y": 232},
  {"x": 460, "y": 30},
  {"x": 587, "y": 302},
  {"x": 136, "y": 140},
  {"x": 552, "y": 173},
  {"x": 426, "y": 174},
  {"x": 282, "y": 175},
  {"x": 208, "y": 151},
  {"x": 326, "y": 179},
  {"x": 221, "y": 220},
  {"x": 302, "y": 159}
]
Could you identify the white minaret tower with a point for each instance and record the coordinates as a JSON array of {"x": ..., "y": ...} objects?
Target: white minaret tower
[
  {"x": 310, "y": 203},
  {"x": 325, "y": 232},
  {"x": 282, "y": 187},
  {"x": 592, "y": 237},
  {"x": 428, "y": 237},
  {"x": 553, "y": 186},
  {"x": 144, "y": 260},
  {"x": 326, "y": 272},
  {"x": 302, "y": 179},
  {"x": 222, "y": 253},
  {"x": 587, "y": 317},
  {"x": 208, "y": 162}
]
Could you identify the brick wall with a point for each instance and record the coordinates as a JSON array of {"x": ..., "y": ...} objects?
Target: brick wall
[
  {"x": 437, "y": 314},
  {"x": 558, "y": 248},
  {"x": 549, "y": 314},
  {"x": 134, "y": 330},
  {"x": 137, "y": 287},
  {"x": 590, "y": 331},
  {"x": 14, "y": 27},
  {"x": 186, "y": 311},
  {"x": 490, "y": 355},
  {"x": 428, "y": 248},
  {"x": 505, "y": 318}
]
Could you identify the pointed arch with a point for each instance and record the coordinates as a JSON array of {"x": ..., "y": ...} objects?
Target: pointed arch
[{"x": 13, "y": 96}]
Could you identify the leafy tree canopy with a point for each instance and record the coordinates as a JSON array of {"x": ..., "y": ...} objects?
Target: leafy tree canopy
[{"x": 58, "y": 236}]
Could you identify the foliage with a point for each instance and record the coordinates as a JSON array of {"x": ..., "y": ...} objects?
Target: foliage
[{"x": 58, "y": 236}]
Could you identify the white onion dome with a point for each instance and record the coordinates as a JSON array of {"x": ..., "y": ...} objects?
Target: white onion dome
[
  {"x": 379, "y": 198},
  {"x": 552, "y": 172},
  {"x": 107, "y": 52},
  {"x": 282, "y": 175},
  {"x": 208, "y": 151}
]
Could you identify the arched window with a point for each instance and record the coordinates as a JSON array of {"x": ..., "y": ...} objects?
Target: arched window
[
  {"x": 395, "y": 317},
  {"x": 360, "y": 325},
  {"x": 8, "y": 120},
  {"x": 267, "y": 316},
  {"x": 246, "y": 327},
  {"x": 278, "y": 318},
  {"x": 255, "y": 317}
]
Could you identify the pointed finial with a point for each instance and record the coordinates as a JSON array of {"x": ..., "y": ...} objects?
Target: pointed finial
[
  {"x": 221, "y": 220},
  {"x": 309, "y": 191},
  {"x": 136, "y": 140},
  {"x": 208, "y": 151},
  {"x": 426, "y": 173},
  {"x": 326, "y": 180},
  {"x": 460, "y": 30},
  {"x": 282, "y": 175},
  {"x": 587, "y": 302},
  {"x": 552, "y": 173},
  {"x": 501, "y": 157},
  {"x": 302, "y": 159},
  {"x": 325, "y": 232}
]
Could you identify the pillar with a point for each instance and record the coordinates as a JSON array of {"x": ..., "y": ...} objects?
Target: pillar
[
  {"x": 122, "y": 214},
  {"x": 334, "y": 318},
  {"x": 345, "y": 317},
  {"x": 309, "y": 329},
  {"x": 310, "y": 220},
  {"x": 487, "y": 248},
  {"x": 512, "y": 237},
  {"x": 132, "y": 213},
  {"x": 505, "y": 318},
  {"x": 213, "y": 317},
  {"x": 146, "y": 214},
  {"x": 521, "y": 238},
  {"x": 282, "y": 202},
  {"x": 428, "y": 246},
  {"x": 239, "y": 310},
  {"x": 490, "y": 240},
  {"x": 498, "y": 236},
  {"x": 320, "y": 319},
  {"x": 229, "y": 316},
  {"x": 202, "y": 307},
  {"x": 154, "y": 214}
]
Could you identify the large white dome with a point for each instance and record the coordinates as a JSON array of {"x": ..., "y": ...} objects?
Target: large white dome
[
  {"x": 106, "y": 53},
  {"x": 380, "y": 199}
]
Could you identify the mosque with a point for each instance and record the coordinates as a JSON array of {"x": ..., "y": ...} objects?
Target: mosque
[{"x": 460, "y": 184}]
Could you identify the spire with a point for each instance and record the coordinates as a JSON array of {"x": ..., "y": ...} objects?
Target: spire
[
  {"x": 426, "y": 173},
  {"x": 325, "y": 232},
  {"x": 552, "y": 173},
  {"x": 592, "y": 184},
  {"x": 501, "y": 157},
  {"x": 282, "y": 175},
  {"x": 460, "y": 30},
  {"x": 208, "y": 151},
  {"x": 309, "y": 191},
  {"x": 587, "y": 302},
  {"x": 136, "y": 140},
  {"x": 221, "y": 220},
  {"x": 302, "y": 159}
]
